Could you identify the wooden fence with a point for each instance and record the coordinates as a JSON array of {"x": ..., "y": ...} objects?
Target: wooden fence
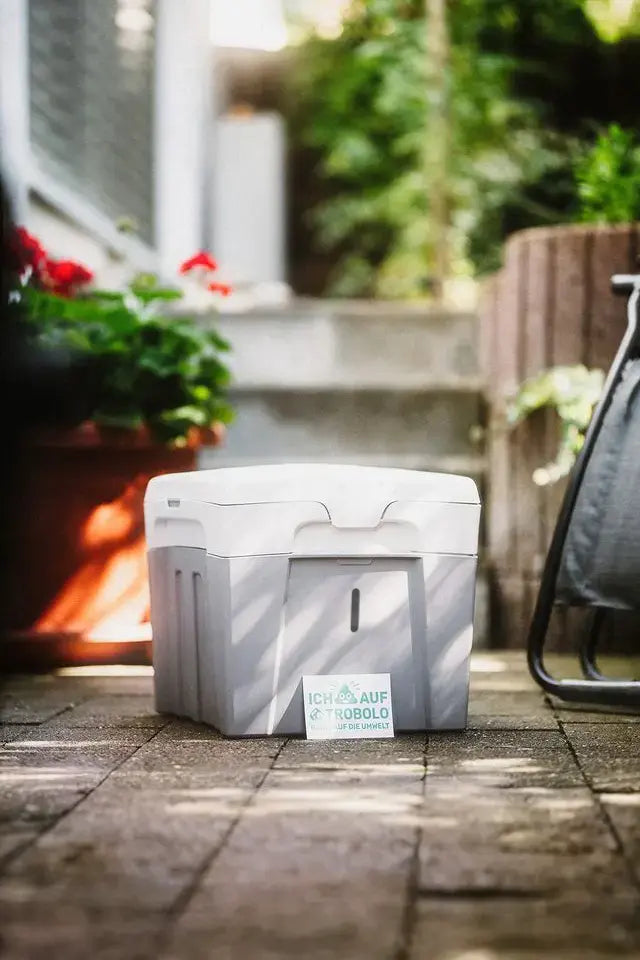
[{"x": 550, "y": 304}]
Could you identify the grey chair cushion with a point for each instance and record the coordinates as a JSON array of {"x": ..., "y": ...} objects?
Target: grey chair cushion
[{"x": 601, "y": 559}]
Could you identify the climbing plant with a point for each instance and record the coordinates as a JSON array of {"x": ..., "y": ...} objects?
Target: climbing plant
[{"x": 573, "y": 393}]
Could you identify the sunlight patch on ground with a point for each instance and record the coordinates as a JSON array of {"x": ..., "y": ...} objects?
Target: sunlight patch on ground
[
  {"x": 19, "y": 774},
  {"x": 280, "y": 800},
  {"x": 487, "y": 664},
  {"x": 378, "y": 769},
  {"x": 621, "y": 799},
  {"x": 35, "y": 745},
  {"x": 107, "y": 670},
  {"x": 501, "y": 763},
  {"x": 473, "y": 955}
]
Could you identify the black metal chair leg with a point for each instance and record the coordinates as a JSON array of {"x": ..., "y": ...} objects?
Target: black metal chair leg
[
  {"x": 589, "y": 645},
  {"x": 597, "y": 690}
]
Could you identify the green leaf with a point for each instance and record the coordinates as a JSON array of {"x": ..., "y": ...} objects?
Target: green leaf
[
  {"x": 155, "y": 369},
  {"x": 573, "y": 392},
  {"x": 190, "y": 415},
  {"x": 223, "y": 412},
  {"x": 165, "y": 294},
  {"x": 608, "y": 178},
  {"x": 109, "y": 295},
  {"x": 128, "y": 421}
]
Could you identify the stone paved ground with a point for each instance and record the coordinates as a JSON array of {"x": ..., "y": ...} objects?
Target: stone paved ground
[{"x": 125, "y": 836}]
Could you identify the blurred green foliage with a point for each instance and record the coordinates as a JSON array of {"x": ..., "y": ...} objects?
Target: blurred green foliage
[
  {"x": 573, "y": 393},
  {"x": 151, "y": 368},
  {"x": 528, "y": 80},
  {"x": 608, "y": 178},
  {"x": 614, "y": 19}
]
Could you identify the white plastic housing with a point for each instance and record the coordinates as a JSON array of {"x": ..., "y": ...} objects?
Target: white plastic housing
[{"x": 252, "y": 573}]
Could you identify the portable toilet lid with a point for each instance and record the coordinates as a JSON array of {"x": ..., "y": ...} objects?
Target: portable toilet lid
[
  {"x": 281, "y": 508},
  {"x": 350, "y": 494}
]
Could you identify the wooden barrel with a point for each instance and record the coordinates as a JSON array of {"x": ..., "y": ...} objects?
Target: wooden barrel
[{"x": 550, "y": 304}]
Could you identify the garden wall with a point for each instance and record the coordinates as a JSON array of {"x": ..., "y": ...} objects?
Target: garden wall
[{"x": 550, "y": 304}]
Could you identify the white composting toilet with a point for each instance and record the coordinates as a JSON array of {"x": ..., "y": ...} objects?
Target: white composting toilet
[{"x": 260, "y": 575}]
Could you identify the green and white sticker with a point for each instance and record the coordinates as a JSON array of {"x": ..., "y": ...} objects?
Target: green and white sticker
[{"x": 348, "y": 706}]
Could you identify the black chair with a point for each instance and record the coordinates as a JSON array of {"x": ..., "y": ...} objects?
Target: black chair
[{"x": 585, "y": 565}]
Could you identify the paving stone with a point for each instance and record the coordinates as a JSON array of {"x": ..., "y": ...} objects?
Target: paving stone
[
  {"x": 333, "y": 820},
  {"x": 506, "y": 703},
  {"x": 525, "y": 928},
  {"x": 614, "y": 776},
  {"x": 49, "y": 770},
  {"x": 609, "y": 754},
  {"x": 126, "y": 846},
  {"x": 354, "y": 879},
  {"x": 623, "y": 809},
  {"x": 180, "y": 729},
  {"x": 509, "y": 722},
  {"x": 122, "y": 710},
  {"x": 613, "y": 742},
  {"x": 564, "y": 665},
  {"x": 134, "y": 841},
  {"x": 205, "y": 756},
  {"x": 20, "y": 708},
  {"x": 14, "y": 731},
  {"x": 507, "y": 758},
  {"x": 406, "y": 750},
  {"x": 14, "y": 838},
  {"x": 273, "y": 920},
  {"x": 519, "y": 682},
  {"x": 502, "y": 710},
  {"x": 51, "y": 743},
  {"x": 36, "y": 932},
  {"x": 127, "y": 836},
  {"x": 320, "y": 805},
  {"x": 479, "y": 840},
  {"x": 575, "y": 713},
  {"x": 37, "y": 804},
  {"x": 358, "y": 778}
]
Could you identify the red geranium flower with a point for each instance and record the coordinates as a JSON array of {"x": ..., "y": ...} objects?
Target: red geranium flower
[
  {"x": 63, "y": 277},
  {"x": 222, "y": 288},
  {"x": 26, "y": 250},
  {"x": 201, "y": 259}
]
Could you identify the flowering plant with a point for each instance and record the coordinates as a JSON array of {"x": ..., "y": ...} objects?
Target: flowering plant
[
  {"x": 573, "y": 392},
  {"x": 154, "y": 373}
]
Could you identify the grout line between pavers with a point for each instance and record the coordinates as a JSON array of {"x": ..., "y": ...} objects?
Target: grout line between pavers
[
  {"x": 22, "y": 723},
  {"x": 600, "y": 807},
  {"x": 14, "y": 854},
  {"x": 475, "y": 894},
  {"x": 104, "y": 724},
  {"x": 183, "y": 899},
  {"x": 413, "y": 880},
  {"x": 39, "y": 723},
  {"x": 78, "y": 702}
]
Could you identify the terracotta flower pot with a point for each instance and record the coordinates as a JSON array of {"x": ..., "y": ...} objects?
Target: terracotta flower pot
[{"x": 78, "y": 577}]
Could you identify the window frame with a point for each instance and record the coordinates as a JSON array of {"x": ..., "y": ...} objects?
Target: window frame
[{"x": 182, "y": 139}]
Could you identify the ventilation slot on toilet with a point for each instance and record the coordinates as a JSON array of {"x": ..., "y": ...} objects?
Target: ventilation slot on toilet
[
  {"x": 355, "y": 610},
  {"x": 198, "y": 619}
]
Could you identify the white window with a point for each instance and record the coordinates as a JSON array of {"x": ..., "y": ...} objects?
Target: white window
[
  {"x": 105, "y": 114},
  {"x": 91, "y": 97}
]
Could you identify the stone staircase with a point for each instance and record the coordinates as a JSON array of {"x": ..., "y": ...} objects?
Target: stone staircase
[
  {"x": 366, "y": 383},
  {"x": 357, "y": 383}
]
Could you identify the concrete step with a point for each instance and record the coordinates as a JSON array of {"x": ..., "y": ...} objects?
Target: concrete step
[
  {"x": 386, "y": 383},
  {"x": 323, "y": 344},
  {"x": 426, "y": 427}
]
